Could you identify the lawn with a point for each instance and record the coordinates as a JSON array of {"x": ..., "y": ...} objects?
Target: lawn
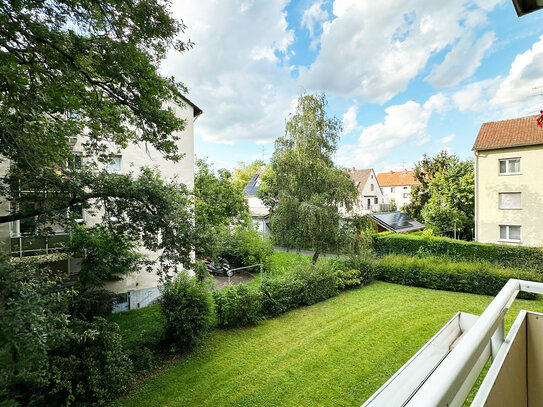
[{"x": 335, "y": 353}]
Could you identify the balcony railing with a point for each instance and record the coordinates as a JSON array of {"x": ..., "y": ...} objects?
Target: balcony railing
[{"x": 30, "y": 245}]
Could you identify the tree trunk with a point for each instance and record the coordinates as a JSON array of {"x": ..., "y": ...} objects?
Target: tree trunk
[{"x": 315, "y": 256}]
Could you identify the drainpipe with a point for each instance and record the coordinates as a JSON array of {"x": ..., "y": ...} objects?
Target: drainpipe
[{"x": 476, "y": 203}]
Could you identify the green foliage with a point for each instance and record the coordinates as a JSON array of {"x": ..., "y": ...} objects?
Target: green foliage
[
  {"x": 237, "y": 306},
  {"x": 243, "y": 173},
  {"x": 187, "y": 308},
  {"x": 244, "y": 247},
  {"x": 90, "y": 367},
  {"x": 33, "y": 322},
  {"x": 217, "y": 205},
  {"x": 319, "y": 283},
  {"x": 441, "y": 274},
  {"x": 92, "y": 303},
  {"x": 508, "y": 256},
  {"x": 303, "y": 189},
  {"x": 107, "y": 254},
  {"x": 281, "y": 294}
]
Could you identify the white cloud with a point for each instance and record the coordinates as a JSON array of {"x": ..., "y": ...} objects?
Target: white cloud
[
  {"x": 448, "y": 139},
  {"x": 349, "y": 120},
  {"x": 475, "y": 96},
  {"x": 405, "y": 123},
  {"x": 238, "y": 70},
  {"x": 313, "y": 16},
  {"x": 462, "y": 61},
  {"x": 374, "y": 51}
]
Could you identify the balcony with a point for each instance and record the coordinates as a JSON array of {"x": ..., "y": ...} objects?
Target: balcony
[{"x": 30, "y": 245}]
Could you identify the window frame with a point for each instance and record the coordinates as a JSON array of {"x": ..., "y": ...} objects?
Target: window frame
[
  {"x": 507, "y": 166},
  {"x": 113, "y": 162},
  {"x": 507, "y": 233},
  {"x": 509, "y": 193}
]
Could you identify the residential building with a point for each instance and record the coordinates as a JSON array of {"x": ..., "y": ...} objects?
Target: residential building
[
  {"x": 141, "y": 288},
  {"x": 259, "y": 212},
  {"x": 509, "y": 183},
  {"x": 396, "y": 186},
  {"x": 370, "y": 196}
]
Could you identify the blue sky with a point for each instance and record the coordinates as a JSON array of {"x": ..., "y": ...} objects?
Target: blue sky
[{"x": 407, "y": 78}]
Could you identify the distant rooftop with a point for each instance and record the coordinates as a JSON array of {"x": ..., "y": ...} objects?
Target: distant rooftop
[
  {"x": 522, "y": 131},
  {"x": 252, "y": 187},
  {"x": 360, "y": 177},
  {"x": 397, "y": 178},
  {"x": 397, "y": 222}
]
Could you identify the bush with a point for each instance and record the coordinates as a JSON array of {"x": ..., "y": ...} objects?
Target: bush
[
  {"x": 281, "y": 294},
  {"x": 245, "y": 247},
  {"x": 187, "y": 308},
  {"x": 90, "y": 368},
  {"x": 93, "y": 303},
  {"x": 318, "y": 282},
  {"x": 441, "y": 274},
  {"x": 238, "y": 306},
  {"x": 508, "y": 256}
]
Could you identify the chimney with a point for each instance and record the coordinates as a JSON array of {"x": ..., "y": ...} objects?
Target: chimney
[{"x": 352, "y": 169}]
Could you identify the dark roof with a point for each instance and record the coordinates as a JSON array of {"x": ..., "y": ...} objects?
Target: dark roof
[
  {"x": 522, "y": 131},
  {"x": 397, "y": 222},
  {"x": 252, "y": 188},
  {"x": 197, "y": 110}
]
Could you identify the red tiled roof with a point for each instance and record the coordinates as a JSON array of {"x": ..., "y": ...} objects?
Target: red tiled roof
[
  {"x": 522, "y": 131},
  {"x": 398, "y": 178}
]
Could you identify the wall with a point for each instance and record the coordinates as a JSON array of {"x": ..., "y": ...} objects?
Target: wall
[
  {"x": 489, "y": 183},
  {"x": 398, "y": 195}
]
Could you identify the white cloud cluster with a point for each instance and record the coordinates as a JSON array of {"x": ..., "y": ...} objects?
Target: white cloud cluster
[
  {"x": 349, "y": 120},
  {"x": 516, "y": 94},
  {"x": 313, "y": 16},
  {"x": 237, "y": 71},
  {"x": 403, "y": 124},
  {"x": 374, "y": 51}
]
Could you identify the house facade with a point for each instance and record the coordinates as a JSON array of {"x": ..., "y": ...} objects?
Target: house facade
[
  {"x": 16, "y": 238},
  {"x": 370, "y": 195},
  {"x": 259, "y": 212},
  {"x": 509, "y": 182},
  {"x": 396, "y": 186}
]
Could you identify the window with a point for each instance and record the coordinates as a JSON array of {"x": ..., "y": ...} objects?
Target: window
[
  {"x": 371, "y": 187},
  {"x": 404, "y": 187},
  {"x": 510, "y": 233},
  {"x": 376, "y": 200},
  {"x": 27, "y": 226},
  {"x": 76, "y": 211},
  {"x": 510, "y": 166},
  {"x": 115, "y": 164},
  {"x": 391, "y": 189},
  {"x": 405, "y": 195},
  {"x": 75, "y": 162},
  {"x": 510, "y": 200}
]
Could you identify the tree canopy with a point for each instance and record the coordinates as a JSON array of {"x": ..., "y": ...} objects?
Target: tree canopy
[
  {"x": 303, "y": 189},
  {"x": 70, "y": 69},
  {"x": 244, "y": 172}
]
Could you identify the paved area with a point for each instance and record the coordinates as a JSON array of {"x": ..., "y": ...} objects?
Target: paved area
[{"x": 238, "y": 278}]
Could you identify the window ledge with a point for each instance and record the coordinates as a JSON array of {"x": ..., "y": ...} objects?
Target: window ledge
[{"x": 509, "y": 173}]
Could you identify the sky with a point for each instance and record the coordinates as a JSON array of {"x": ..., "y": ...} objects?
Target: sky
[{"x": 406, "y": 77}]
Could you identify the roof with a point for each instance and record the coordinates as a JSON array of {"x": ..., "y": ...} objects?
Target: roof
[
  {"x": 397, "y": 178},
  {"x": 197, "y": 110},
  {"x": 397, "y": 222},
  {"x": 360, "y": 177},
  {"x": 522, "y": 131},
  {"x": 252, "y": 187}
]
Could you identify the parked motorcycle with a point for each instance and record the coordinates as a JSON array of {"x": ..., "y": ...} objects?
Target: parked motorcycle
[{"x": 223, "y": 270}]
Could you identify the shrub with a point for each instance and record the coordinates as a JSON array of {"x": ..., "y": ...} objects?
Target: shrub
[
  {"x": 441, "y": 274},
  {"x": 508, "y": 256},
  {"x": 187, "y": 308},
  {"x": 245, "y": 247},
  {"x": 90, "y": 368},
  {"x": 318, "y": 282},
  {"x": 143, "y": 358},
  {"x": 238, "y": 306},
  {"x": 281, "y": 294}
]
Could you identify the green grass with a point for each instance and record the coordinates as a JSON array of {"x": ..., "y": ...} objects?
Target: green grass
[
  {"x": 335, "y": 353},
  {"x": 144, "y": 325}
]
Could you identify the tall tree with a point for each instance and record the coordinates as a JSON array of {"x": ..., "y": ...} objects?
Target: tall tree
[
  {"x": 304, "y": 189},
  {"x": 425, "y": 170},
  {"x": 218, "y": 204},
  {"x": 452, "y": 200},
  {"x": 91, "y": 68}
]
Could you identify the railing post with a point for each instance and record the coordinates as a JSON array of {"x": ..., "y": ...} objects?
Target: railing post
[{"x": 497, "y": 338}]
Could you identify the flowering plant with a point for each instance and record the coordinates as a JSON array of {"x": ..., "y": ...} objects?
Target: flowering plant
[{"x": 540, "y": 119}]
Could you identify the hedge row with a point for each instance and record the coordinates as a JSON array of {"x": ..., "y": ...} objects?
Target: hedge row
[
  {"x": 305, "y": 284},
  {"x": 441, "y": 274},
  {"x": 508, "y": 256}
]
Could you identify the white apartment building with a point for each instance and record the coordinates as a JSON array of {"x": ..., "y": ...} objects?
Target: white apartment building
[{"x": 396, "y": 186}]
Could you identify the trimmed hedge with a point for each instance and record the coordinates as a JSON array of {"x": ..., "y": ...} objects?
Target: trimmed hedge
[
  {"x": 508, "y": 256},
  {"x": 441, "y": 274},
  {"x": 238, "y": 306}
]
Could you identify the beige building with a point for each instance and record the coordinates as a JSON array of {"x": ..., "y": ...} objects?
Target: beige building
[
  {"x": 509, "y": 182},
  {"x": 370, "y": 196},
  {"x": 259, "y": 212},
  {"x": 396, "y": 186},
  {"x": 142, "y": 287}
]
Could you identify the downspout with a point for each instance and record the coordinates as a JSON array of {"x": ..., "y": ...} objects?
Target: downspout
[{"x": 476, "y": 215}]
